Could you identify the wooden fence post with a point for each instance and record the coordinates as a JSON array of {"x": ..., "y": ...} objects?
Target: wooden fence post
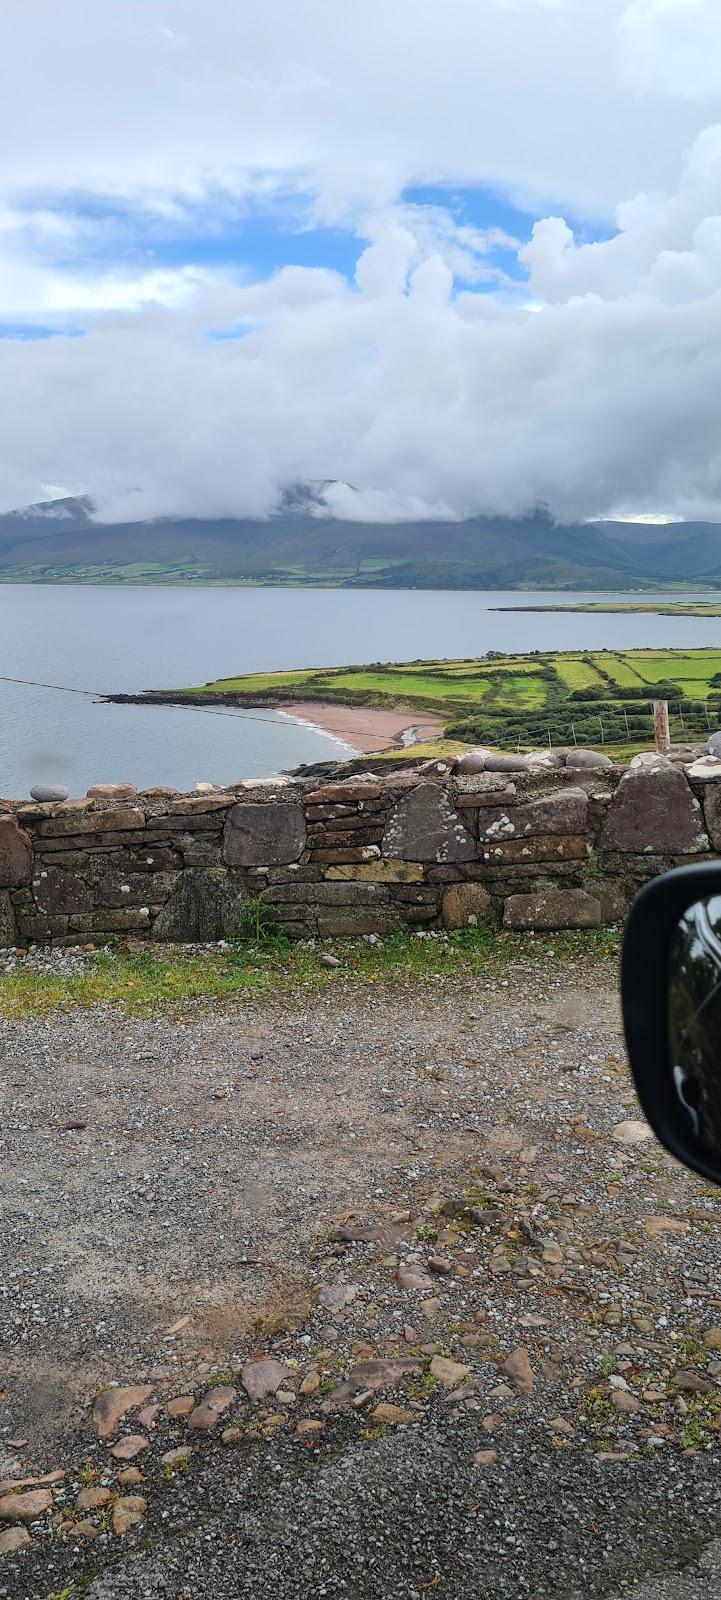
[{"x": 661, "y": 734}]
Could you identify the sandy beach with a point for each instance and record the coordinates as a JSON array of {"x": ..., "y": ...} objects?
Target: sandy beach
[{"x": 367, "y": 729}]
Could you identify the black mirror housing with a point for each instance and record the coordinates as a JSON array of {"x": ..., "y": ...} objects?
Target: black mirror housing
[{"x": 661, "y": 934}]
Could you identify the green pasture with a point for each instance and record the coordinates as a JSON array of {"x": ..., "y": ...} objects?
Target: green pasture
[{"x": 510, "y": 702}]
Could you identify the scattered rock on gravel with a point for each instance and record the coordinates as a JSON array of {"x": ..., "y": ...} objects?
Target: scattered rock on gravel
[{"x": 113, "y": 1404}]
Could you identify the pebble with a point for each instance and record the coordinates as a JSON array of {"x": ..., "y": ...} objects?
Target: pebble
[
  {"x": 178, "y": 1457},
  {"x": 181, "y": 1405},
  {"x": 263, "y": 1377},
  {"x": 12, "y": 1539},
  {"x": 129, "y": 1477},
  {"x": 449, "y": 1373},
  {"x": 129, "y": 1447},
  {"x": 205, "y": 1416},
  {"x": 518, "y": 1368},
  {"x": 113, "y": 1404},
  {"x": 92, "y": 1498},
  {"x": 26, "y": 1506},
  {"x": 127, "y": 1512},
  {"x": 44, "y": 792}
]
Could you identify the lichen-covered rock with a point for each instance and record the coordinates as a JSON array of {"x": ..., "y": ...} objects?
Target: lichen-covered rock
[
  {"x": 465, "y": 905},
  {"x": 205, "y": 905},
  {"x": 59, "y": 893},
  {"x": 16, "y": 855},
  {"x": 268, "y": 835},
  {"x": 563, "y": 811},
  {"x": 549, "y": 847},
  {"x": 654, "y": 809},
  {"x": 553, "y": 908},
  {"x": 423, "y": 826}
]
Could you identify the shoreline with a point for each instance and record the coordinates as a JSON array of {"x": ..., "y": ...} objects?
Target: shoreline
[
  {"x": 361, "y": 727},
  {"x": 364, "y": 730}
]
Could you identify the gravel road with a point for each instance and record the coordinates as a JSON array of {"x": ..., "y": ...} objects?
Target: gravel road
[{"x": 488, "y": 1306}]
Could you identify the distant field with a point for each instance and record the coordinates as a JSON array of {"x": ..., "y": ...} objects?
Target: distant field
[
  {"x": 687, "y": 608},
  {"x": 596, "y": 697}
]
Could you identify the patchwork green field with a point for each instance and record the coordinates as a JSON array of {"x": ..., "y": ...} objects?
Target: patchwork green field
[{"x": 599, "y": 697}]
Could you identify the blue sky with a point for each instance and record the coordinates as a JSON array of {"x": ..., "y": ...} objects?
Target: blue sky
[{"x": 254, "y": 238}]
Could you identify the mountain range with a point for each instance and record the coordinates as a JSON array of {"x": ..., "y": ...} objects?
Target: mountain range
[{"x": 66, "y": 541}]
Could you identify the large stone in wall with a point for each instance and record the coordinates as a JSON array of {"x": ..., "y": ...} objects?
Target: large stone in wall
[
  {"x": 205, "y": 905},
  {"x": 553, "y": 908},
  {"x": 654, "y": 809},
  {"x": 563, "y": 811},
  {"x": 59, "y": 893},
  {"x": 465, "y": 905},
  {"x": 268, "y": 835},
  {"x": 16, "y": 855},
  {"x": 423, "y": 826},
  {"x": 8, "y": 931}
]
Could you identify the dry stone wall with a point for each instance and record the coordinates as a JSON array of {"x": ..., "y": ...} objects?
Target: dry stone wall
[{"x": 421, "y": 849}]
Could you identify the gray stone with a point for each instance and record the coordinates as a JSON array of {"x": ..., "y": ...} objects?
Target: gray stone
[
  {"x": 370, "y": 1376},
  {"x": 543, "y": 761},
  {"x": 474, "y": 760},
  {"x": 60, "y": 893},
  {"x": 16, "y": 855},
  {"x": 654, "y": 809},
  {"x": 43, "y": 792},
  {"x": 268, "y": 835},
  {"x": 713, "y": 744},
  {"x": 466, "y": 905},
  {"x": 552, "y": 908},
  {"x": 206, "y": 905},
  {"x": 707, "y": 769},
  {"x": 564, "y": 811},
  {"x": 8, "y": 930},
  {"x": 587, "y": 759},
  {"x": 712, "y": 813},
  {"x": 264, "y": 1377},
  {"x": 328, "y": 894},
  {"x": 505, "y": 763},
  {"x": 423, "y": 826}
]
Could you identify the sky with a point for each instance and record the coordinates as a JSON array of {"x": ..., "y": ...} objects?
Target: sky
[{"x": 452, "y": 257}]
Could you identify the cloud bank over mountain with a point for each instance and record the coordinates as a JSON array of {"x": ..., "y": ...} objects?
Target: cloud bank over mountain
[{"x": 559, "y": 345}]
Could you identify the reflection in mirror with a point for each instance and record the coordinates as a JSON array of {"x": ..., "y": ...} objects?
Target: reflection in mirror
[{"x": 694, "y": 1020}]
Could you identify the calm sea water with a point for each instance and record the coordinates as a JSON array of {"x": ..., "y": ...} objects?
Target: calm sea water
[{"x": 115, "y": 639}]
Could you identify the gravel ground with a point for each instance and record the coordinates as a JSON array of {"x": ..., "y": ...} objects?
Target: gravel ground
[{"x": 447, "y": 1173}]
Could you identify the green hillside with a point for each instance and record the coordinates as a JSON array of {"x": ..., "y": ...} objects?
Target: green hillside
[{"x": 599, "y": 697}]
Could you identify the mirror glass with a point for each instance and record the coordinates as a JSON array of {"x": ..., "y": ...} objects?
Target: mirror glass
[{"x": 694, "y": 1020}]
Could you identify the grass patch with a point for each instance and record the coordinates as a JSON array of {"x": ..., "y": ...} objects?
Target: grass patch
[
  {"x": 511, "y": 702},
  {"x": 168, "y": 978}
]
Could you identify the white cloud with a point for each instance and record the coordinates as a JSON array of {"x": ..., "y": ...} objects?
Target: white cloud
[
  {"x": 358, "y": 99},
  {"x": 598, "y": 394},
  {"x": 603, "y": 398},
  {"x": 673, "y": 46}
]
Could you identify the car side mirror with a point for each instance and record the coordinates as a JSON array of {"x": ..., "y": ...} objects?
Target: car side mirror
[{"x": 671, "y": 995}]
